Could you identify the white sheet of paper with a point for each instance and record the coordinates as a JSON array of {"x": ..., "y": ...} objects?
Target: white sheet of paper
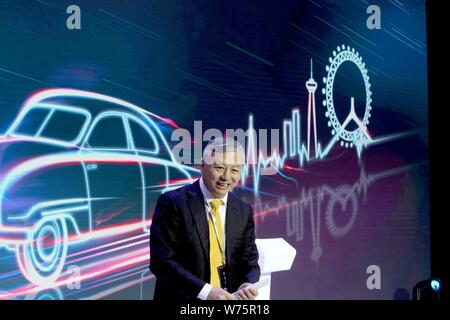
[{"x": 257, "y": 285}]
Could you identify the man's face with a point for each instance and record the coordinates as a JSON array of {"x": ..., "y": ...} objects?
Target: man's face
[{"x": 224, "y": 174}]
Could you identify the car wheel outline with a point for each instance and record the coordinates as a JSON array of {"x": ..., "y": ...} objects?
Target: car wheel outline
[{"x": 37, "y": 266}]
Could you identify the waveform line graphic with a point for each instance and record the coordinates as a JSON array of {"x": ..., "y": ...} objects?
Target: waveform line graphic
[{"x": 258, "y": 164}]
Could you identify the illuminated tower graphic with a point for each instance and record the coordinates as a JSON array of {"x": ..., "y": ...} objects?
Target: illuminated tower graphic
[{"x": 311, "y": 85}]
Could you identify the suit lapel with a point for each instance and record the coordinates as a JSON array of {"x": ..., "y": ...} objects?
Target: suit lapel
[
  {"x": 197, "y": 207},
  {"x": 230, "y": 222}
]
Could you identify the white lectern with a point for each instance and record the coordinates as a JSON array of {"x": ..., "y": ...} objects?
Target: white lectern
[{"x": 274, "y": 255}]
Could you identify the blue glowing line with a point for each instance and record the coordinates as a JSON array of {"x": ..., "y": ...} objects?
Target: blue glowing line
[
  {"x": 75, "y": 110},
  {"x": 49, "y": 204},
  {"x": 141, "y": 170},
  {"x": 44, "y": 124},
  {"x": 74, "y": 209}
]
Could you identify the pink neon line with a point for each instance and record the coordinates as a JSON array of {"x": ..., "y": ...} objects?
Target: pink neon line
[
  {"x": 11, "y": 241},
  {"x": 100, "y": 233},
  {"x": 114, "y": 277},
  {"x": 40, "y": 92},
  {"x": 177, "y": 181},
  {"x": 111, "y": 215},
  {"x": 15, "y": 229},
  {"x": 263, "y": 213},
  {"x": 309, "y": 120},
  {"x": 315, "y": 124},
  {"x": 105, "y": 263},
  {"x": 119, "y": 288},
  {"x": 115, "y": 230},
  {"x": 110, "y": 250},
  {"x": 115, "y": 267},
  {"x": 31, "y": 289},
  {"x": 106, "y": 245},
  {"x": 295, "y": 169}
]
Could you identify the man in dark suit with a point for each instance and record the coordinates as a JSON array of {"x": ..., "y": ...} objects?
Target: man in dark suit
[{"x": 202, "y": 237}]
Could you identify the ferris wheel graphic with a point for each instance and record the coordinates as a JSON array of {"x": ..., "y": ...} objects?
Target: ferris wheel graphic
[{"x": 359, "y": 136}]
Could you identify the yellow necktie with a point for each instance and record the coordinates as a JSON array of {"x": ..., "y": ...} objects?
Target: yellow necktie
[{"x": 215, "y": 243}]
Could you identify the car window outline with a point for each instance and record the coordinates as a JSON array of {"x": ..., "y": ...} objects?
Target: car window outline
[
  {"x": 52, "y": 107},
  {"x": 100, "y": 117},
  {"x": 163, "y": 145},
  {"x": 44, "y": 123},
  {"x": 142, "y": 124}
]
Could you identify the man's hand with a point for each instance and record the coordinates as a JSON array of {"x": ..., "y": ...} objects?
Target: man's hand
[
  {"x": 246, "y": 292},
  {"x": 220, "y": 294}
]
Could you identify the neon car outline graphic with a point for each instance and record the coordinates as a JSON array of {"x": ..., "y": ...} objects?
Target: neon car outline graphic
[{"x": 57, "y": 223}]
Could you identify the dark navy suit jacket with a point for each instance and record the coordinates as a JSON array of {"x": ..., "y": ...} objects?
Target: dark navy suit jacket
[{"x": 179, "y": 244}]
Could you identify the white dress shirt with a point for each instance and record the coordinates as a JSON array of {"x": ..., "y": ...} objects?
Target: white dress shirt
[{"x": 222, "y": 213}]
